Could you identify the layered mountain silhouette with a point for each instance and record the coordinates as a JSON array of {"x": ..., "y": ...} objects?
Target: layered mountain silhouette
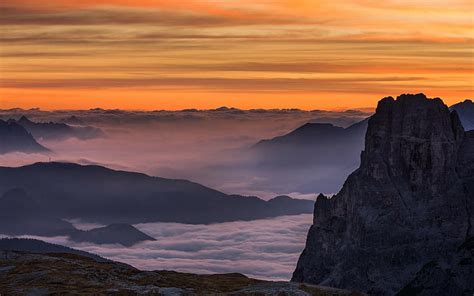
[
  {"x": 465, "y": 111},
  {"x": 331, "y": 150},
  {"x": 14, "y": 138},
  {"x": 402, "y": 222},
  {"x": 58, "y": 131},
  {"x": 98, "y": 194}
]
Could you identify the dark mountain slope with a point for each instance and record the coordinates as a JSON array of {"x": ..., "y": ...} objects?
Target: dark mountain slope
[
  {"x": 401, "y": 220},
  {"x": 20, "y": 214},
  {"x": 99, "y": 194},
  {"x": 41, "y": 247},
  {"x": 14, "y": 138}
]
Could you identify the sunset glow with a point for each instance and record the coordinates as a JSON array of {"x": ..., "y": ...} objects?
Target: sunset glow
[{"x": 163, "y": 54}]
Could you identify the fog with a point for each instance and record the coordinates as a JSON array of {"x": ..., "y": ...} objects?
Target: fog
[{"x": 209, "y": 147}]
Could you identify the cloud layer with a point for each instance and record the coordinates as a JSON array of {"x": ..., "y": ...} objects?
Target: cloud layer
[{"x": 264, "y": 249}]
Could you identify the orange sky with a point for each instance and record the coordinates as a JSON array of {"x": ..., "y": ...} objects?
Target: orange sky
[{"x": 163, "y": 54}]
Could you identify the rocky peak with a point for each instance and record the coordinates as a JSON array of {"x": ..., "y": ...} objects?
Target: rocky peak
[
  {"x": 410, "y": 203},
  {"x": 412, "y": 139}
]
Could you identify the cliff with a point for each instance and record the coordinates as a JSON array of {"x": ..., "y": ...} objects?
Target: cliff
[{"x": 404, "y": 213}]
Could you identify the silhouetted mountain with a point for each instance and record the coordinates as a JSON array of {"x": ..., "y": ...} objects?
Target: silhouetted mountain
[
  {"x": 14, "y": 138},
  {"x": 95, "y": 193},
  {"x": 314, "y": 144},
  {"x": 465, "y": 112},
  {"x": 323, "y": 147},
  {"x": 119, "y": 233},
  {"x": 41, "y": 247},
  {"x": 402, "y": 222},
  {"x": 58, "y": 131}
]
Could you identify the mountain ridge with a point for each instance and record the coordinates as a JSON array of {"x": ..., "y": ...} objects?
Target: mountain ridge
[
  {"x": 99, "y": 194},
  {"x": 58, "y": 131}
]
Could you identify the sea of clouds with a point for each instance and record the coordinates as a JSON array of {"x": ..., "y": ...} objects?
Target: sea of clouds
[{"x": 264, "y": 249}]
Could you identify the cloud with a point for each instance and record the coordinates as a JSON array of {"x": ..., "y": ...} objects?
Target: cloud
[
  {"x": 363, "y": 85},
  {"x": 120, "y": 15},
  {"x": 265, "y": 249}
]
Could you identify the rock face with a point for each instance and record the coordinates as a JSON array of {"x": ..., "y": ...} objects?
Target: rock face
[{"x": 404, "y": 213}]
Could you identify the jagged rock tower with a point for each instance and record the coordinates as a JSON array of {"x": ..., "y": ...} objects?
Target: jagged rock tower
[{"x": 402, "y": 222}]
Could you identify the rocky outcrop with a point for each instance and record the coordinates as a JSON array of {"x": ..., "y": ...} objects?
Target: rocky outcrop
[{"x": 407, "y": 209}]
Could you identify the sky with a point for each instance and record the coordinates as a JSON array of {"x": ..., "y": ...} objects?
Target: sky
[{"x": 164, "y": 54}]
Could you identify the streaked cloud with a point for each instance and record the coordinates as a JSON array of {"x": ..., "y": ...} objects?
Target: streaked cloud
[{"x": 317, "y": 51}]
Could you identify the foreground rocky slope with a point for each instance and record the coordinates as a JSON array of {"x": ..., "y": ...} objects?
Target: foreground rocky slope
[
  {"x": 402, "y": 222},
  {"x": 23, "y": 273}
]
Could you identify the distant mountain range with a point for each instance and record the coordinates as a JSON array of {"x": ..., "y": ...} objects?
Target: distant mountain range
[
  {"x": 98, "y": 194},
  {"x": 15, "y": 138},
  {"x": 465, "y": 112},
  {"x": 22, "y": 135},
  {"x": 58, "y": 131}
]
